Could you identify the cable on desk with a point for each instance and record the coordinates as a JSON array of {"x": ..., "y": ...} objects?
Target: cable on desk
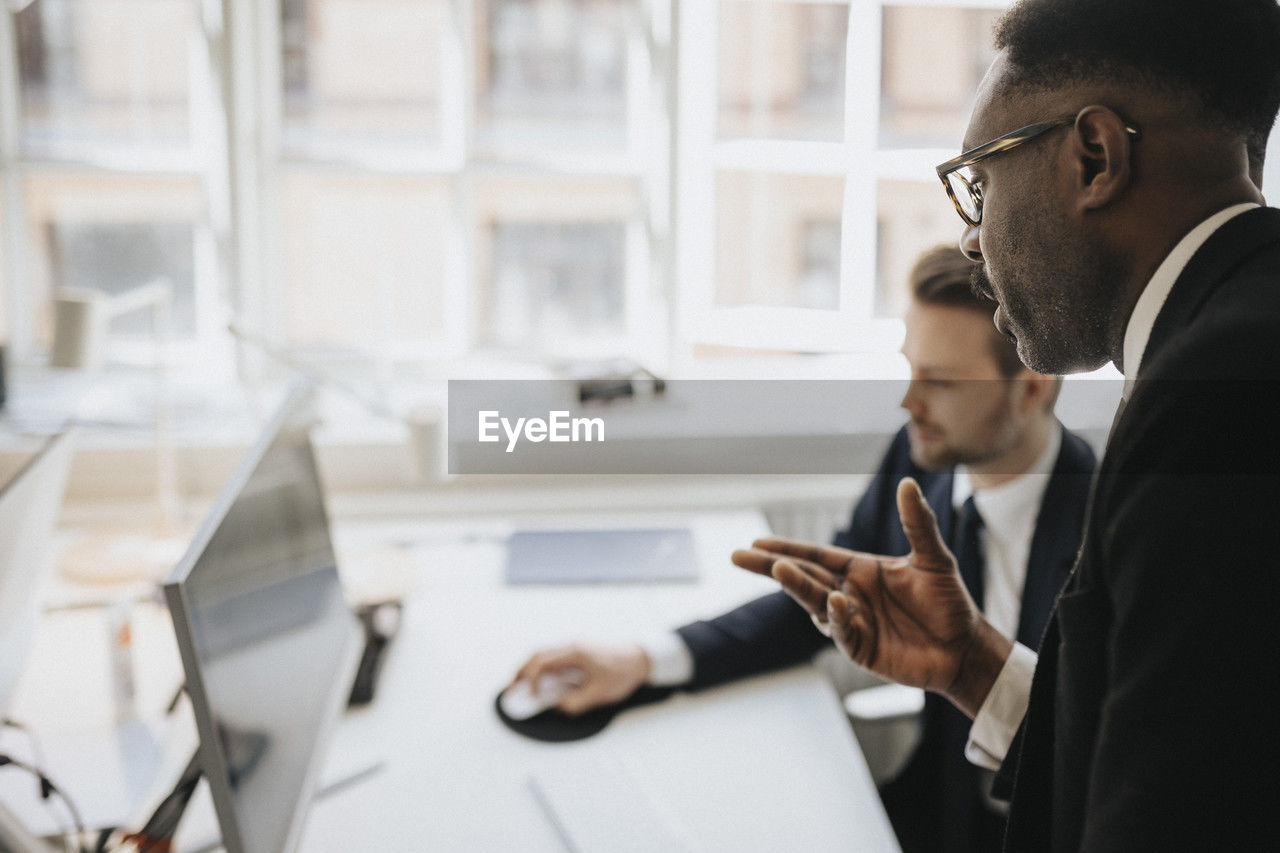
[
  {"x": 37, "y": 752},
  {"x": 47, "y": 790}
]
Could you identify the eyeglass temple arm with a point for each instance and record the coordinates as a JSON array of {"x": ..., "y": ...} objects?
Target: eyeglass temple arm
[{"x": 1010, "y": 140}]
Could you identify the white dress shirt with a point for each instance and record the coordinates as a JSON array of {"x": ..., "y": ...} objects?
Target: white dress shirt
[
  {"x": 1008, "y": 513},
  {"x": 1001, "y": 714}
]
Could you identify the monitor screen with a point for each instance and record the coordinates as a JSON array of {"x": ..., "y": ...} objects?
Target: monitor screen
[{"x": 268, "y": 641}]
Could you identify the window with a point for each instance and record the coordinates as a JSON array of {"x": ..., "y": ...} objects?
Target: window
[
  {"x": 552, "y": 71},
  {"x": 806, "y": 196},
  {"x": 482, "y": 194},
  {"x": 781, "y": 70},
  {"x": 107, "y": 166},
  {"x": 432, "y": 180},
  {"x": 105, "y": 73},
  {"x": 933, "y": 58},
  {"x": 362, "y": 74},
  {"x": 778, "y": 239}
]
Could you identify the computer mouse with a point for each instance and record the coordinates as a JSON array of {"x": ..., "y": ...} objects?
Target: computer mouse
[{"x": 519, "y": 701}]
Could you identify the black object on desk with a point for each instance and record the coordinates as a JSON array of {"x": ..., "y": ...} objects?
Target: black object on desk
[
  {"x": 555, "y": 726},
  {"x": 381, "y": 622}
]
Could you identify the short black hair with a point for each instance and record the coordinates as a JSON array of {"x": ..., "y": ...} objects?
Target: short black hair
[
  {"x": 942, "y": 276},
  {"x": 1220, "y": 56}
]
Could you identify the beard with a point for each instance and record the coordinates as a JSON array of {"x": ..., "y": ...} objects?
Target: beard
[
  {"x": 1056, "y": 292},
  {"x": 974, "y": 442},
  {"x": 981, "y": 287}
]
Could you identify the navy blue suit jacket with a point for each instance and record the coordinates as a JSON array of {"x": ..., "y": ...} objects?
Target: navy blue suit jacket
[{"x": 773, "y": 631}]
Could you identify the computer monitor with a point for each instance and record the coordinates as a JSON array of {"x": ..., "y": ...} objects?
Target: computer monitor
[
  {"x": 29, "y": 504},
  {"x": 268, "y": 642}
]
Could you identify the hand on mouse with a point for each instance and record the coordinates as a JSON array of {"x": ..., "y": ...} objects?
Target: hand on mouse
[{"x": 608, "y": 674}]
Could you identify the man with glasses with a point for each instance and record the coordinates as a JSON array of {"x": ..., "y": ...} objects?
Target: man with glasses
[{"x": 1109, "y": 186}]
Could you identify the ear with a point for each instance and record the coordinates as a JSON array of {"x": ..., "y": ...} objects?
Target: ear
[{"x": 1101, "y": 150}]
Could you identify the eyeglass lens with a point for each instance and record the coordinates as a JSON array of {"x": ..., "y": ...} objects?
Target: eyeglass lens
[{"x": 960, "y": 182}]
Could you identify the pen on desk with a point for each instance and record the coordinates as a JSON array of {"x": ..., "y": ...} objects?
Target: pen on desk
[{"x": 354, "y": 777}]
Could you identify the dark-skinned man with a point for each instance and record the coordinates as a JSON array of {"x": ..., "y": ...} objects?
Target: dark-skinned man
[{"x": 1110, "y": 190}]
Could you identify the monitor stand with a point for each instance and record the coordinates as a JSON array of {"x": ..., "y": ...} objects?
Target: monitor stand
[{"x": 158, "y": 832}]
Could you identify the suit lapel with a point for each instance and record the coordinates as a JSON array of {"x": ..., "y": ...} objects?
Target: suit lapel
[
  {"x": 1054, "y": 546},
  {"x": 1226, "y": 249},
  {"x": 938, "y": 493}
]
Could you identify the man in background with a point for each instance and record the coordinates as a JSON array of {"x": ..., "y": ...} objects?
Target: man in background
[{"x": 1009, "y": 485}]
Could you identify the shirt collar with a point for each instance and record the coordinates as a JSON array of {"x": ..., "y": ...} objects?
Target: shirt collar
[
  {"x": 995, "y": 503},
  {"x": 1147, "y": 308}
]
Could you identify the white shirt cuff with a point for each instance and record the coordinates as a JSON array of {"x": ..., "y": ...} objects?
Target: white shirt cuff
[
  {"x": 1001, "y": 714},
  {"x": 670, "y": 661}
]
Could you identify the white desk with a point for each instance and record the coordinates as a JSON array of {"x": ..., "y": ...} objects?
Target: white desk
[{"x": 766, "y": 764}]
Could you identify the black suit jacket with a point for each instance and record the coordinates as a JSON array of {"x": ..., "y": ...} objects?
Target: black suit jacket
[
  {"x": 1152, "y": 723},
  {"x": 935, "y": 803}
]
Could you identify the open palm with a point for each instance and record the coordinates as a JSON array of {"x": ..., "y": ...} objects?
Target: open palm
[{"x": 909, "y": 619}]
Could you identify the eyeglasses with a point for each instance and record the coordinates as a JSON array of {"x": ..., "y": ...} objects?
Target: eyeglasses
[{"x": 958, "y": 180}]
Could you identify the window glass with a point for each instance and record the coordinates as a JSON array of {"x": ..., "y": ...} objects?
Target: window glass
[
  {"x": 778, "y": 240},
  {"x": 364, "y": 258},
  {"x": 555, "y": 279},
  {"x": 552, "y": 71},
  {"x": 781, "y": 70},
  {"x": 912, "y": 217},
  {"x": 105, "y": 72},
  {"x": 114, "y": 233},
  {"x": 362, "y": 72},
  {"x": 553, "y": 264},
  {"x": 932, "y": 59}
]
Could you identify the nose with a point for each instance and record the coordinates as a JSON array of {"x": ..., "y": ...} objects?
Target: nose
[
  {"x": 911, "y": 400},
  {"x": 970, "y": 243}
]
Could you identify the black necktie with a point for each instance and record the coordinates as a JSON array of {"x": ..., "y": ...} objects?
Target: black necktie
[
  {"x": 962, "y": 813},
  {"x": 969, "y": 549}
]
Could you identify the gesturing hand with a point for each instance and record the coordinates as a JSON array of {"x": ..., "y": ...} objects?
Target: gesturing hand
[{"x": 908, "y": 619}]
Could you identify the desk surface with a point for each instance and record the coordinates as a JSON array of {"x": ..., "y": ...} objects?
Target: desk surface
[{"x": 766, "y": 764}]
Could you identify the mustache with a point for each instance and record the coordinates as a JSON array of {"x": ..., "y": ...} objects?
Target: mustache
[{"x": 980, "y": 284}]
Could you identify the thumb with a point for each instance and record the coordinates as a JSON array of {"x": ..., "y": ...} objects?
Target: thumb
[{"x": 921, "y": 527}]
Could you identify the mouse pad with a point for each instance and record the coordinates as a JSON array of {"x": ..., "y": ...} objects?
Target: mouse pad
[{"x": 557, "y": 727}]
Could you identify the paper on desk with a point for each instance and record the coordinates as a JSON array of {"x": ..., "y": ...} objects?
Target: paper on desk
[{"x": 597, "y": 805}]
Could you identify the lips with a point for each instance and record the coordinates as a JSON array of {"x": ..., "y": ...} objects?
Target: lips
[
  {"x": 922, "y": 433},
  {"x": 1002, "y": 326}
]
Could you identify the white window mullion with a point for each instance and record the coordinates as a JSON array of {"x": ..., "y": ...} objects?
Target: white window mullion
[
  {"x": 858, "y": 225},
  {"x": 14, "y": 248},
  {"x": 694, "y": 228},
  {"x": 461, "y": 308},
  {"x": 262, "y": 145}
]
